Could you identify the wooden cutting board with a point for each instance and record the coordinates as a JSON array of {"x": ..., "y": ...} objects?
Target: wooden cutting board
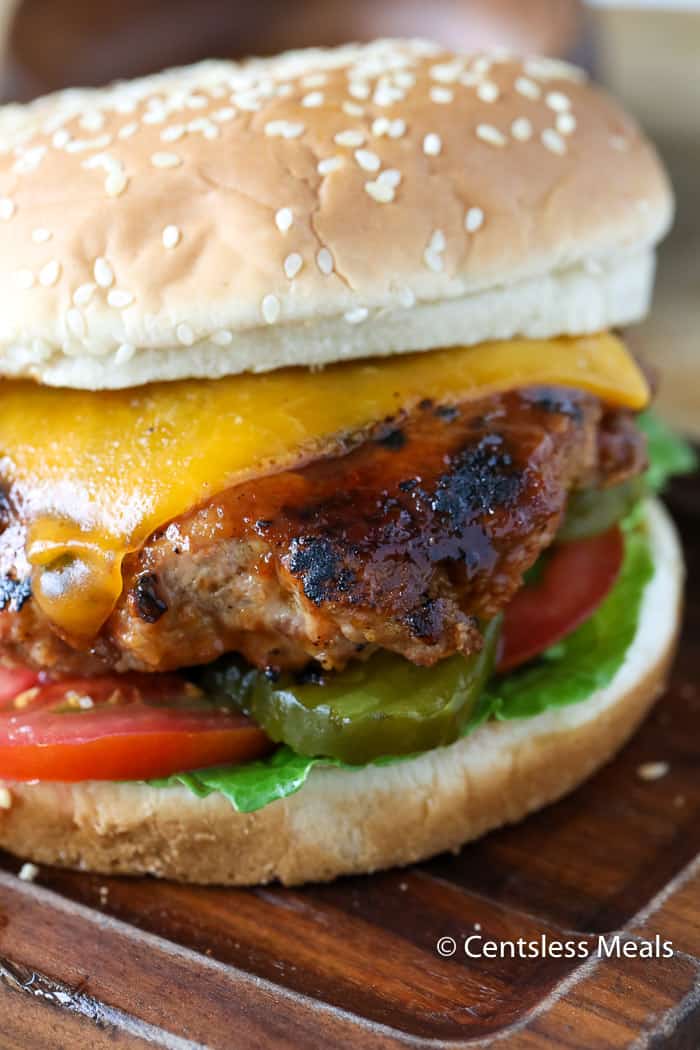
[{"x": 87, "y": 961}]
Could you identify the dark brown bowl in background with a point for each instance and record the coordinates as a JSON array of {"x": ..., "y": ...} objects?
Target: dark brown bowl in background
[{"x": 55, "y": 43}]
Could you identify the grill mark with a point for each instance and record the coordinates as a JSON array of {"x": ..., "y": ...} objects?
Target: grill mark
[
  {"x": 482, "y": 480},
  {"x": 395, "y": 440},
  {"x": 149, "y": 603}
]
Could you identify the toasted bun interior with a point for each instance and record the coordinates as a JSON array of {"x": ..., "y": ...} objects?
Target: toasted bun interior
[
  {"x": 314, "y": 207},
  {"x": 343, "y": 822}
]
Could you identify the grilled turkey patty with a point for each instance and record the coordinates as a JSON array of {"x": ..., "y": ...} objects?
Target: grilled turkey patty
[{"x": 406, "y": 543}]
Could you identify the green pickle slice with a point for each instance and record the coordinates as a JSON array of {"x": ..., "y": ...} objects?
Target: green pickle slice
[
  {"x": 592, "y": 511},
  {"x": 384, "y": 706}
]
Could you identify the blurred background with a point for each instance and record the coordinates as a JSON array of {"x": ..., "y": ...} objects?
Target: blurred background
[{"x": 646, "y": 51}]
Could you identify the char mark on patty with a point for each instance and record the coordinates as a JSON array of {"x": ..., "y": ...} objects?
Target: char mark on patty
[
  {"x": 149, "y": 603},
  {"x": 406, "y": 544}
]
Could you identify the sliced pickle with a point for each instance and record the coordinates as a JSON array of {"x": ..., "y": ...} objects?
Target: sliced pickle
[
  {"x": 592, "y": 511},
  {"x": 384, "y": 706}
]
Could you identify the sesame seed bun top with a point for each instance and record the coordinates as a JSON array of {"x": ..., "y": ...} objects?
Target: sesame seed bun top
[{"x": 317, "y": 206}]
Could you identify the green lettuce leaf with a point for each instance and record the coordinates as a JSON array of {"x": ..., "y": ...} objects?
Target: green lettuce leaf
[
  {"x": 252, "y": 785},
  {"x": 585, "y": 660},
  {"x": 567, "y": 673},
  {"x": 668, "y": 454}
]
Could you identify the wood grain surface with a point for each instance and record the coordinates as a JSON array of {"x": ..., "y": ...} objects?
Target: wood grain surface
[{"x": 88, "y": 961}]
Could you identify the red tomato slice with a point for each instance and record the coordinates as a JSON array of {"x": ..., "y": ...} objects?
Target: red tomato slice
[
  {"x": 131, "y": 727},
  {"x": 575, "y": 579}
]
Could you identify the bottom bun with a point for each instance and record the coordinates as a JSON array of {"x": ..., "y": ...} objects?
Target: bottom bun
[{"x": 344, "y": 821}]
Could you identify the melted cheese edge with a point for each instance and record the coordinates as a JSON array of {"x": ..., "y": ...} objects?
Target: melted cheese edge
[{"x": 95, "y": 474}]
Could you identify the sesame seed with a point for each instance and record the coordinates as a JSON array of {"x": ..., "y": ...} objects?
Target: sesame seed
[
  {"x": 196, "y": 102},
  {"x": 380, "y": 126},
  {"x": 329, "y": 164},
  {"x": 482, "y": 64},
  {"x": 488, "y": 91},
  {"x": 521, "y": 129},
  {"x": 154, "y": 116},
  {"x": 349, "y": 138},
  {"x": 386, "y": 94},
  {"x": 390, "y": 177},
  {"x": 101, "y": 160},
  {"x": 5, "y": 798},
  {"x": 553, "y": 141},
  {"x": 28, "y": 872},
  {"x": 285, "y": 129},
  {"x": 270, "y": 308},
  {"x": 441, "y": 95},
  {"x": 115, "y": 183},
  {"x": 473, "y": 220},
  {"x": 357, "y": 315},
  {"x": 200, "y": 124},
  {"x": 172, "y": 133},
  {"x": 226, "y": 113},
  {"x": 446, "y": 72},
  {"x": 223, "y": 337},
  {"x": 367, "y": 160},
  {"x": 25, "y": 279},
  {"x": 284, "y": 219},
  {"x": 487, "y": 133},
  {"x": 184, "y": 334},
  {"x": 352, "y": 109},
  {"x": 292, "y": 265},
  {"x": 652, "y": 770},
  {"x": 313, "y": 99},
  {"x": 101, "y": 142},
  {"x": 566, "y": 123},
  {"x": 528, "y": 88},
  {"x": 432, "y": 145},
  {"x": 124, "y": 353},
  {"x": 404, "y": 78},
  {"x": 127, "y": 130},
  {"x": 119, "y": 298},
  {"x": 103, "y": 273},
  {"x": 396, "y": 128},
  {"x": 407, "y": 298},
  {"x": 359, "y": 89},
  {"x": 30, "y": 160},
  {"x": 49, "y": 274},
  {"x": 171, "y": 237},
  {"x": 314, "y": 80},
  {"x": 553, "y": 69},
  {"x": 324, "y": 261},
  {"x": 7, "y": 208},
  {"x": 246, "y": 101},
  {"x": 75, "y": 323},
  {"x": 41, "y": 235},
  {"x": 557, "y": 101},
  {"x": 381, "y": 192},
  {"x": 60, "y": 138},
  {"x": 432, "y": 255},
  {"x": 83, "y": 294},
  {"x": 165, "y": 160}
]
